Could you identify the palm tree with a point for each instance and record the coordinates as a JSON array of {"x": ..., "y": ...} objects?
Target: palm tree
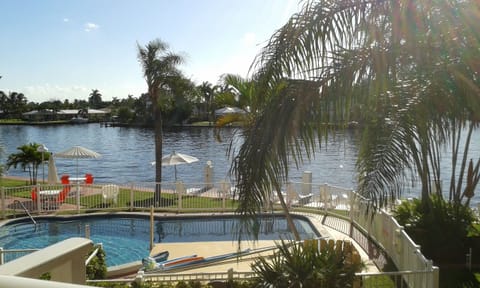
[
  {"x": 410, "y": 66},
  {"x": 240, "y": 93},
  {"x": 13, "y": 104},
  {"x": 29, "y": 158},
  {"x": 159, "y": 68},
  {"x": 95, "y": 99},
  {"x": 1, "y": 166},
  {"x": 208, "y": 93}
]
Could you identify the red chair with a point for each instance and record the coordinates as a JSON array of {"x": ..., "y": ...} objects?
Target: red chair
[
  {"x": 88, "y": 178},
  {"x": 34, "y": 195},
  {"x": 65, "y": 179},
  {"x": 63, "y": 194}
]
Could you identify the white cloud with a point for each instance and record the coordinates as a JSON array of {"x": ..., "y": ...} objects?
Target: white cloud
[
  {"x": 90, "y": 26},
  {"x": 41, "y": 93},
  {"x": 66, "y": 20},
  {"x": 47, "y": 92}
]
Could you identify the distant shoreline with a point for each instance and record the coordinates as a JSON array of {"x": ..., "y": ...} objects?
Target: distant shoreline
[
  {"x": 10, "y": 177},
  {"x": 36, "y": 123},
  {"x": 109, "y": 124}
]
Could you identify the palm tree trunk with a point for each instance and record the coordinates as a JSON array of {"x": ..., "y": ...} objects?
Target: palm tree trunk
[
  {"x": 158, "y": 152},
  {"x": 290, "y": 223}
]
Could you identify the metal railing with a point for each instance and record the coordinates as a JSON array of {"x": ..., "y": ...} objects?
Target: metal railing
[
  {"x": 341, "y": 209},
  {"x": 7, "y": 254},
  {"x": 24, "y": 209}
]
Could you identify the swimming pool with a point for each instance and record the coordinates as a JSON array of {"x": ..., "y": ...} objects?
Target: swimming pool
[{"x": 125, "y": 237}]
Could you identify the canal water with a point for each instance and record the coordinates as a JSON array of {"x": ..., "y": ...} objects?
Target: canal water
[{"x": 127, "y": 153}]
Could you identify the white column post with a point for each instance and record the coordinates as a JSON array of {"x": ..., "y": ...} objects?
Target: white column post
[
  {"x": 307, "y": 183},
  {"x": 208, "y": 173},
  {"x": 42, "y": 148}
]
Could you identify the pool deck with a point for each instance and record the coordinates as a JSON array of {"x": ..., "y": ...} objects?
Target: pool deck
[
  {"x": 243, "y": 264},
  {"x": 208, "y": 249}
]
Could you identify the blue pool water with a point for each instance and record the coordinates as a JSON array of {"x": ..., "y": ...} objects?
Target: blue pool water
[{"x": 126, "y": 238}]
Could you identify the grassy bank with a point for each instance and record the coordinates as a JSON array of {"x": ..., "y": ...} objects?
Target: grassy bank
[
  {"x": 22, "y": 122},
  {"x": 140, "y": 198},
  {"x": 10, "y": 181}
]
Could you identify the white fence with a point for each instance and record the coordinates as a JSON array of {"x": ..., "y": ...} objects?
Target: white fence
[
  {"x": 81, "y": 197},
  {"x": 399, "y": 247},
  {"x": 378, "y": 234}
]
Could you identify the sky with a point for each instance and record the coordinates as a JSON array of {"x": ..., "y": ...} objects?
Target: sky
[{"x": 63, "y": 49}]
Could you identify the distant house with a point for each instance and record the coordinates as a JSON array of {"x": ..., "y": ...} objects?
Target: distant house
[
  {"x": 40, "y": 115},
  {"x": 93, "y": 115}
]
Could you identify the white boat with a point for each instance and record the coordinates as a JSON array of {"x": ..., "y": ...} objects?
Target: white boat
[{"x": 79, "y": 120}]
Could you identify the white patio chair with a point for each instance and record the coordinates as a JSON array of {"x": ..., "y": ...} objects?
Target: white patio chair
[
  {"x": 110, "y": 193},
  {"x": 225, "y": 190},
  {"x": 294, "y": 198},
  {"x": 325, "y": 197},
  {"x": 180, "y": 188}
]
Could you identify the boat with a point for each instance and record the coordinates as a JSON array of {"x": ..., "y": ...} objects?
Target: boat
[
  {"x": 194, "y": 261},
  {"x": 152, "y": 262},
  {"x": 226, "y": 256},
  {"x": 182, "y": 261},
  {"x": 158, "y": 258},
  {"x": 79, "y": 120}
]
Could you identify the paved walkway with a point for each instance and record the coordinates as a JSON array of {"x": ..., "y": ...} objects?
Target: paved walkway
[
  {"x": 330, "y": 233},
  {"x": 243, "y": 264}
]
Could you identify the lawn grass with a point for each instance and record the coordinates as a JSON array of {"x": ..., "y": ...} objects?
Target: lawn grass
[
  {"x": 144, "y": 199},
  {"x": 141, "y": 198},
  {"x": 23, "y": 122},
  {"x": 23, "y": 190},
  {"x": 383, "y": 281},
  {"x": 11, "y": 121},
  {"x": 7, "y": 182}
]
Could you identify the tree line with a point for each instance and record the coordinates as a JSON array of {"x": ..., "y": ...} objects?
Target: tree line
[{"x": 182, "y": 101}]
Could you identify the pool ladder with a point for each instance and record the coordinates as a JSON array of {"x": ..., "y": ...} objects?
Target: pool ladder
[{"x": 26, "y": 210}]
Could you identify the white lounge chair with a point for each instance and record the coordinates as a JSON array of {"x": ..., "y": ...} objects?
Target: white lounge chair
[
  {"x": 294, "y": 198},
  {"x": 110, "y": 193}
]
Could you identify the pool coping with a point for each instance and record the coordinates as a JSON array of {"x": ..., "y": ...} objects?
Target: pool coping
[{"x": 133, "y": 267}]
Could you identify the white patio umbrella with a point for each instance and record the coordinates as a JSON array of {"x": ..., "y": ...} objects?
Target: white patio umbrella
[
  {"x": 52, "y": 171},
  {"x": 177, "y": 159},
  {"x": 78, "y": 152}
]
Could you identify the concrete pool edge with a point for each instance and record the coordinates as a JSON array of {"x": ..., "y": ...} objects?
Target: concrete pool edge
[
  {"x": 133, "y": 267},
  {"x": 124, "y": 269}
]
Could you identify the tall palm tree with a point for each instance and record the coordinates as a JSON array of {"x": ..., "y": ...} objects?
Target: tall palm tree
[
  {"x": 95, "y": 99},
  {"x": 410, "y": 66},
  {"x": 1, "y": 166},
  {"x": 208, "y": 93},
  {"x": 13, "y": 104},
  {"x": 159, "y": 68}
]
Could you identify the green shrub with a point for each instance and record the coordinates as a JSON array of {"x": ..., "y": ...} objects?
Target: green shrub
[
  {"x": 97, "y": 267},
  {"x": 46, "y": 276},
  {"x": 296, "y": 265},
  {"x": 443, "y": 231},
  {"x": 441, "y": 228}
]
